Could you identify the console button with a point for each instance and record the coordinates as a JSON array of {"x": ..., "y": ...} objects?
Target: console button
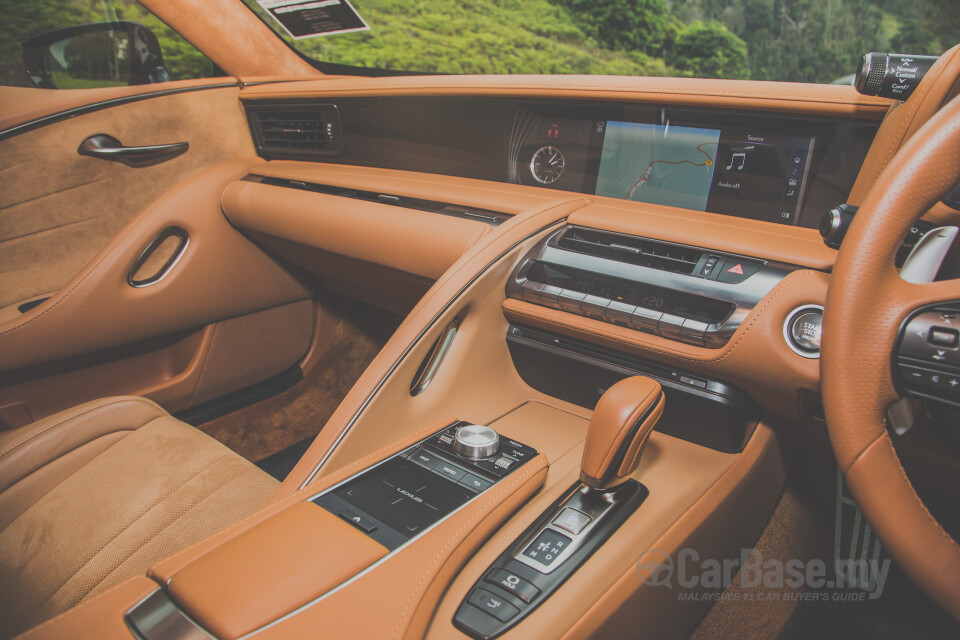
[
  {"x": 548, "y": 545},
  {"x": 594, "y": 306},
  {"x": 475, "y": 483},
  {"x": 709, "y": 266},
  {"x": 693, "y": 331},
  {"x": 620, "y": 312},
  {"x": 572, "y": 520},
  {"x": 516, "y": 449},
  {"x": 424, "y": 459},
  {"x": 549, "y": 295},
  {"x": 735, "y": 270},
  {"x": 505, "y": 463},
  {"x": 669, "y": 326},
  {"x": 570, "y": 300},
  {"x": 448, "y": 470},
  {"x": 513, "y": 583},
  {"x": 494, "y": 605},
  {"x": 357, "y": 520},
  {"x": 645, "y": 319},
  {"x": 531, "y": 291}
]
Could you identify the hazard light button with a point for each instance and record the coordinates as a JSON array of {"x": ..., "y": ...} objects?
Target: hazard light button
[{"x": 735, "y": 270}]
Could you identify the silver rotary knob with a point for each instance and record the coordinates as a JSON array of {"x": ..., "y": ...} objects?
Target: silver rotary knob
[{"x": 475, "y": 441}]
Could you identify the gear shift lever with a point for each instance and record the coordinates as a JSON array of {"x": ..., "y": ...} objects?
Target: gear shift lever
[{"x": 618, "y": 431}]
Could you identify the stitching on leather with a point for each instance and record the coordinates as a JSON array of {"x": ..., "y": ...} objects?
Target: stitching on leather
[
  {"x": 86, "y": 274},
  {"x": 611, "y": 449},
  {"x": 77, "y": 412},
  {"x": 913, "y": 493},
  {"x": 586, "y": 88},
  {"x": 505, "y": 492},
  {"x": 177, "y": 519},
  {"x": 119, "y": 533},
  {"x": 728, "y": 350}
]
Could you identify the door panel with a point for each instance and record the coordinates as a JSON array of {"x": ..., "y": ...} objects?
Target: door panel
[
  {"x": 225, "y": 316},
  {"x": 59, "y": 208},
  {"x": 221, "y": 275},
  {"x": 178, "y": 371}
]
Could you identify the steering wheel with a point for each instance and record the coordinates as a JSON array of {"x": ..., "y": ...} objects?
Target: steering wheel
[{"x": 866, "y": 304}]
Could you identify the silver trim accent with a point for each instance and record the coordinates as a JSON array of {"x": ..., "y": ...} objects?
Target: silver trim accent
[
  {"x": 476, "y": 442},
  {"x": 431, "y": 365},
  {"x": 927, "y": 256},
  {"x": 787, "y": 334},
  {"x": 576, "y": 501},
  {"x": 157, "y": 617},
  {"x": 533, "y": 160},
  {"x": 169, "y": 232},
  {"x": 413, "y": 343}
]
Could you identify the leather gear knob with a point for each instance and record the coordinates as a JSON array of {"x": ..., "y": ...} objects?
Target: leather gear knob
[{"x": 621, "y": 423}]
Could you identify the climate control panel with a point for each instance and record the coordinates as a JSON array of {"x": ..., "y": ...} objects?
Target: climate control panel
[{"x": 681, "y": 293}]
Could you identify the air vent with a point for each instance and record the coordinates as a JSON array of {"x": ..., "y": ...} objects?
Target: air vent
[
  {"x": 285, "y": 130},
  {"x": 638, "y": 251}
]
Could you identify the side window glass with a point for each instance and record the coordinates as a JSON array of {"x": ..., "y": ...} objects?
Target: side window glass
[{"x": 79, "y": 44}]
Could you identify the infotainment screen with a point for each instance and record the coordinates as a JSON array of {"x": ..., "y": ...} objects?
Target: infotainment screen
[{"x": 741, "y": 172}]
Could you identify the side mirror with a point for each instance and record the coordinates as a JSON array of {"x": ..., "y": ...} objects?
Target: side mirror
[{"x": 94, "y": 55}]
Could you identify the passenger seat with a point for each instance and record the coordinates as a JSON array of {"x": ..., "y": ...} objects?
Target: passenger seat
[{"x": 96, "y": 494}]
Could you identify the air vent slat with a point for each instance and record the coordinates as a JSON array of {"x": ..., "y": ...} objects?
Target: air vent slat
[
  {"x": 638, "y": 251},
  {"x": 296, "y": 130}
]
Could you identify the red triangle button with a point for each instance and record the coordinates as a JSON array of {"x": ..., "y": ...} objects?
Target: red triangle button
[{"x": 737, "y": 269}]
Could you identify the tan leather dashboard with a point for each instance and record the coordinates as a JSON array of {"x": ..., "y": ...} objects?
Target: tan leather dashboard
[
  {"x": 800, "y": 98},
  {"x": 416, "y": 242}
]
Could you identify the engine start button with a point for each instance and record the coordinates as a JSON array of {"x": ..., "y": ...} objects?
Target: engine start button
[{"x": 802, "y": 330}]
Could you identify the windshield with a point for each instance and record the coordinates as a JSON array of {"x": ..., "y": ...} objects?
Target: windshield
[{"x": 789, "y": 40}]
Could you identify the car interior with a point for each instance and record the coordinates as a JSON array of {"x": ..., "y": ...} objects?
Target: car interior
[{"x": 297, "y": 352}]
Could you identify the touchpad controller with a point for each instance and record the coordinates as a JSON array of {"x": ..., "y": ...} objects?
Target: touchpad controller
[{"x": 401, "y": 497}]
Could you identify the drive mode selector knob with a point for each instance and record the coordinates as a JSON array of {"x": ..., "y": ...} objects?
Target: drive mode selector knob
[{"x": 475, "y": 441}]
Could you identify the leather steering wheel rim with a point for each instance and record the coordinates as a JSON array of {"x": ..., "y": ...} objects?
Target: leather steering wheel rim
[{"x": 866, "y": 304}]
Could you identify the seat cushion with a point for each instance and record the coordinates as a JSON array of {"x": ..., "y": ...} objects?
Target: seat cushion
[{"x": 155, "y": 490}]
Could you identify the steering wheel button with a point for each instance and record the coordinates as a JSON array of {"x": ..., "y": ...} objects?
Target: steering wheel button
[{"x": 943, "y": 337}]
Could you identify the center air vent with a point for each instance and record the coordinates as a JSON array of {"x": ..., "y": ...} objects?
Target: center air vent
[
  {"x": 285, "y": 130},
  {"x": 633, "y": 250}
]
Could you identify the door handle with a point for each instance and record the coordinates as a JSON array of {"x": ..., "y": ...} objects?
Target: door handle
[{"x": 107, "y": 147}]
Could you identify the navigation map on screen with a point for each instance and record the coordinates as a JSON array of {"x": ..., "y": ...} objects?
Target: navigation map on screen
[
  {"x": 738, "y": 172},
  {"x": 658, "y": 164}
]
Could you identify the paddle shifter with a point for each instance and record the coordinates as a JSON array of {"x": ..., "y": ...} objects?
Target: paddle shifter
[
  {"x": 618, "y": 431},
  {"x": 552, "y": 548}
]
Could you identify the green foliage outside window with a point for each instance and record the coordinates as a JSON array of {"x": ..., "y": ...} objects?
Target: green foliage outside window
[{"x": 793, "y": 40}]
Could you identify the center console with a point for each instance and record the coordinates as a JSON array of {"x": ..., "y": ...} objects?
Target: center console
[
  {"x": 390, "y": 525},
  {"x": 405, "y": 495}
]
